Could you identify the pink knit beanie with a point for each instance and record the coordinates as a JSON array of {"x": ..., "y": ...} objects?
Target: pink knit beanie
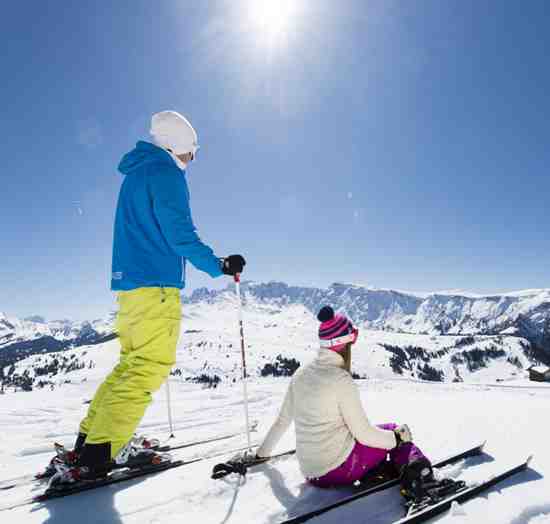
[{"x": 335, "y": 331}]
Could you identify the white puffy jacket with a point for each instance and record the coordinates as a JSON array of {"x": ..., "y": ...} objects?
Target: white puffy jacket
[{"x": 324, "y": 402}]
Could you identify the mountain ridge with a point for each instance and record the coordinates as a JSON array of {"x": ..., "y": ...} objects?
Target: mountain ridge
[
  {"x": 526, "y": 311},
  {"x": 524, "y": 314}
]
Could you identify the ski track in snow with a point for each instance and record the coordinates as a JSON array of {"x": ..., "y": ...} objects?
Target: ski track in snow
[{"x": 533, "y": 515}]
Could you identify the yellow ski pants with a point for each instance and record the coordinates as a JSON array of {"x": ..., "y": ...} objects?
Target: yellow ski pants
[{"x": 148, "y": 325}]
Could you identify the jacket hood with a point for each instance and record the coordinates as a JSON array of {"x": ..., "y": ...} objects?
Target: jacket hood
[{"x": 144, "y": 153}]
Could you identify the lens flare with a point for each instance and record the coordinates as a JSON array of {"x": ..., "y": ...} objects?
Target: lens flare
[{"x": 272, "y": 17}]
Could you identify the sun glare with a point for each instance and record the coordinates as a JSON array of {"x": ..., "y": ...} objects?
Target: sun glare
[{"x": 272, "y": 17}]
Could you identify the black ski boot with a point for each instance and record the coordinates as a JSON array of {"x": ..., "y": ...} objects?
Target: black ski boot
[
  {"x": 416, "y": 478},
  {"x": 421, "y": 489},
  {"x": 79, "y": 444},
  {"x": 94, "y": 463}
]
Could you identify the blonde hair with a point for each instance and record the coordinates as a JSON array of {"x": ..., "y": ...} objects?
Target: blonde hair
[{"x": 346, "y": 355}]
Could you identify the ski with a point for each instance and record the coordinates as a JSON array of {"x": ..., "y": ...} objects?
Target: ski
[
  {"x": 118, "y": 475},
  {"x": 240, "y": 466},
  {"x": 39, "y": 478},
  {"x": 115, "y": 477},
  {"x": 420, "y": 513},
  {"x": 380, "y": 486}
]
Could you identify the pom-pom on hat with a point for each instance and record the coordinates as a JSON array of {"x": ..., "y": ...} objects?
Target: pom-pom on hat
[{"x": 335, "y": 331}]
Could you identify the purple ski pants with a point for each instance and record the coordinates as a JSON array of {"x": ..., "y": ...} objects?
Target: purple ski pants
[{"x": 362, "y": 459}]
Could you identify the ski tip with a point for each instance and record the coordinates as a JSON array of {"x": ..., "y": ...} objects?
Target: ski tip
[
  {"x": 528, "y": 461},
  {"x": 482, "y": 446}
]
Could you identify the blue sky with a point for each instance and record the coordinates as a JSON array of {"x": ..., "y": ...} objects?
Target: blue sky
[{"x": 393, "y": 144}]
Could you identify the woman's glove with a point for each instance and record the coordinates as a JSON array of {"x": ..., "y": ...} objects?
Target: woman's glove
[{"x": 402, "y": 434}]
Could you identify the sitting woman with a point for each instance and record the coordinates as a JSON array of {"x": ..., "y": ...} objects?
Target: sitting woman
[{"x": 335, "y": 442}]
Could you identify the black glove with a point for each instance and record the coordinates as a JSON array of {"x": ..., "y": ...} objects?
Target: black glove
[{"x": 233, "y": 264}]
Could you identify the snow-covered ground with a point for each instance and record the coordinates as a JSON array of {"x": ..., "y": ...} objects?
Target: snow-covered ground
[{"x": 445, "y": 417}]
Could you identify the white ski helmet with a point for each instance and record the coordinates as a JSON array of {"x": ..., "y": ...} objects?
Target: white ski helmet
[{"x": 173, "y": 131}]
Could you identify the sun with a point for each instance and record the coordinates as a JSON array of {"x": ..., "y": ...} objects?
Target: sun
[{"x": 272, "y": 18}]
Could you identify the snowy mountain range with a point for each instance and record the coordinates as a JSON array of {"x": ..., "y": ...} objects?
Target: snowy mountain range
[
  {"x": 525, "y": 313},
  {"x": 23, "y": 337},
  {"x": 438, "y": 336}
]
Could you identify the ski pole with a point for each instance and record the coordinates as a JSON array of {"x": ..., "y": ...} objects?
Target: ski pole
[
  {"x": 237, "y": 278},
  {"x": 169, "y": 403}
]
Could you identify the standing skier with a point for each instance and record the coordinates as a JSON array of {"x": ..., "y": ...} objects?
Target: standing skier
[
  {"x": 335, "y": 442},
  {"x": 154, "y": 236}
]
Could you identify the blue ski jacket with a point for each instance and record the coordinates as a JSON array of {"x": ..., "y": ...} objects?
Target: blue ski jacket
[{"x": 154, "y": 233}]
